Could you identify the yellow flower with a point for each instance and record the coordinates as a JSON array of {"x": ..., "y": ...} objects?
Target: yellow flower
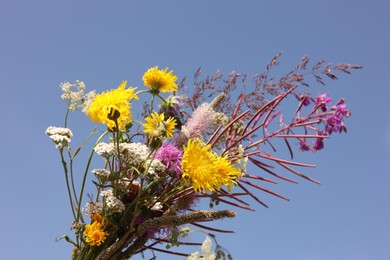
[
  {"x": 94, "y": 234},
  {"x": 205, "y": 170},
  {"x": 156, "y": 126},
  {"x": 111, "y": 105},
  {"x": 97, "y": 218},
  {"x": 160, "y": 80}
]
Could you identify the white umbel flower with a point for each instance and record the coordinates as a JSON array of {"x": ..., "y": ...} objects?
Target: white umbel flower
[
  {"x": 134, "y": 153},
  {"x": 61, "y": 136},
  {"x": 155, "y": 167},
  {"x": 92, "y": 207},
  {"x": 104, "y": 149},
  {"x": 102, "y": 173},
  {"x": 113, "y": 203}
]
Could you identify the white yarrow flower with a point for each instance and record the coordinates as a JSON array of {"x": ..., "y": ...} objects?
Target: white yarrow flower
[
  {"x": 113, "y": 203},
  {"x": 61, "y": 136},
  {"x": 134, "y": 153},
  {"x": 155, "y": 166},
  {"x": 102, "y": 173},
  {"x": 92, "y": 207},
  {"x": 104, "y": 149}
]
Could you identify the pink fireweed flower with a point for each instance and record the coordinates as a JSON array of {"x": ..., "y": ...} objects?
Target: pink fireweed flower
[
  {"x": 171, "y": 157},
  {"x": 319, "y": 143},
  {"x": 305, "y": 100},
  {"x": 342, "y": 110},
  {"x": 304, "y": 146},
  {"x": 322, "y": 101},
  {"x": 333, "y": 124}
]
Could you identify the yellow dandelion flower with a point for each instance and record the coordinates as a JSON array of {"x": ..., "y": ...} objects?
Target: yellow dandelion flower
[
  {"x": 160, "y": 80},
  {"x": 113, "y": 104},
  {"x": 94, "y": 234},
  {"x": 97, "y": 218},
  {"x": 227, "y": 172},
  {"x": 157, "y": 126},
  {"x": 205, "y": 170}
]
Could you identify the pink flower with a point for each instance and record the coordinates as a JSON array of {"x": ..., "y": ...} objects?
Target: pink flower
[
  {"x": 322, "y": 101},
  {"x": 171, "y": 157}
]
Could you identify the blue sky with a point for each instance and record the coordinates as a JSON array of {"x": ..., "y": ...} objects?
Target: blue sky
[{"x": 44, "y": 43}]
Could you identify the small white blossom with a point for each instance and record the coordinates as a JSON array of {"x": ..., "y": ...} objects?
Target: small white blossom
[
  {"x": 104, "y": 149},
  {"x": 61, "y": 136},
  {"x": 193, "y": 256},
  {"x": 92, "y": 208},
  {"x": 207, "y": 251},
  {"x": 242, "y": 160},
  {"x": 102, "y": 173},
  {"x": 74, "y": 98},
  {"x": 134, "y": 153},
  {"x": 113, "y": 203},
  {"x": 88, "y": 98},
  {"x": 155, "y": 166}
]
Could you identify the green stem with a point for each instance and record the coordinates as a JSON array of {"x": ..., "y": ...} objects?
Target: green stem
[
  {"x": 151, "y": 104},
  {"x": 67, "y": 182},
  {"x": 85, "y": 177},
  {"x": 66, "y": 117},
  {"x": 72, "y": 179},
  {"x": 163, "y": 99},
  {"x": 142, "y": 91}
]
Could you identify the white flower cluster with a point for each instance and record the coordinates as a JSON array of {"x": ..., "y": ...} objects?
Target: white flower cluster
[
  {"x": 113, "y": 203},
  {"x": 73, "y": 94},
  {"x": 61, "y": 136},
  {"x": 101, "y": 173},
  {"x": 242, "y": 160},
  {"x": 88, "y": 98},
  {"x": 92, "y": 207},
  {"x": 155, "y": 166},
  {"x": 134, "y": 153},
  {"x": 104, "y": 149},
  {"x": 207, "y": 251},
  {"x": 131, "y": 153},
  {"x": 125, "y": 183}
]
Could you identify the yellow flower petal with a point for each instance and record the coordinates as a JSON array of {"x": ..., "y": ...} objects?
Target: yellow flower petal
[
  {"x": 106, "y": 104},
  {"x": 94, "y": 234},
  {"x": 205, "y": 170},
  {"x": 160, "y": 80},
  {"x": 158, "y": 127}
]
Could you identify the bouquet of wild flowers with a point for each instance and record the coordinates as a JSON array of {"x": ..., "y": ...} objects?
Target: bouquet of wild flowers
[{"x": 153, "y": 170}]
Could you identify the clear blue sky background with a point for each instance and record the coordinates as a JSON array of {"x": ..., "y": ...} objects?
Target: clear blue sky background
[{"x": 43, "y": 43}]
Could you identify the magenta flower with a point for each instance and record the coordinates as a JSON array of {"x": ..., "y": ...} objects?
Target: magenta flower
[
  {"x": 305, "y": 100},
  {"x": 341, "y": 111},
  {"x": 304, "y": 146},
  {"x": 171, "y": 157},
  {"x": 332, "y": 124},
  {"x": 322, "y": 101},
  {"x": 319, "y": 143}
]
